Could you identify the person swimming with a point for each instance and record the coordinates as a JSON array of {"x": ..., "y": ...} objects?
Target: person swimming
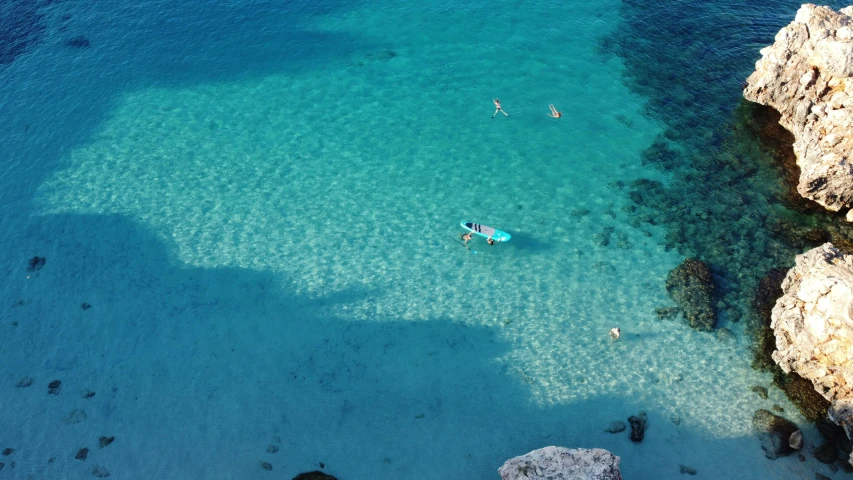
[
  {"x": 554, "y": 113},
  {"x": 490, "y": 241},
  {"x": 498, "y": 108},
  {"x": 466, "y": 237},
  {"x": 614, "y": 333}
]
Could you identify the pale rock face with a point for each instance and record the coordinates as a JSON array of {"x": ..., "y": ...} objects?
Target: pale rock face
[
  {"x": 558, "y": 463},
  {"x": 814, "y": 329},
  {"x": 807, "y": 75}
]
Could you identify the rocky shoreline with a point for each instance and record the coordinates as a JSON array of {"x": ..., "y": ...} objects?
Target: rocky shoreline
[
  {"x": 807, "y": 76},
  {"x": 813, "y": 326}
]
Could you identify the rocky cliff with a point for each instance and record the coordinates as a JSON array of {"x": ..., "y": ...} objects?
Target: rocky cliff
[
  {"x": 807, "y": 75},
  {"x": 813, "y": 326},
  {"x": 558, "y": 463}
]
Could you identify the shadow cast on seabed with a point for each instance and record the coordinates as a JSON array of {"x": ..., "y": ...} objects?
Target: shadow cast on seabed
[
  {"x": 56, "y": 97},
  {"x": 200, "y": 372}
]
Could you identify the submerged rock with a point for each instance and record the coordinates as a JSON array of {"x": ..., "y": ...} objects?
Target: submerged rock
[
  {"x": 79, "y": 41},
  {"x": 315, "y": 475},
  {"x": 639, "y": 424},
  {"x": 616, "y": 427},
  {"x": 76, "y": 416},
  {"x": 36, "y": 263},
  {"x": 684, "y": 469},
  {"x": 82, "y": 454},
  {"x": 24, "y": 382},
  {"x": 761, "y": 391},
  {"x": 806, "y": 75},
  {"x": 827, "y": 452},
  {"x": 100, "y": 472},
  {"x": 691, "y": 287},
  {"x": 54, "y": 387},
  {"x": 769, "y": 290},
  {"x": 559, "y": 463},
  {"x": 104, "y": 441},
  {"x": 841, "y": 413},
  {"x": 774, "y": 432}
]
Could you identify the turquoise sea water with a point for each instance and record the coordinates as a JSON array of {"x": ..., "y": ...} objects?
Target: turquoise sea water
[{"x": 260, "y": 203}]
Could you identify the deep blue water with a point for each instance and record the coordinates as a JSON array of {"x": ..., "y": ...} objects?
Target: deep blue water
[{"x": 248, "y": 211}]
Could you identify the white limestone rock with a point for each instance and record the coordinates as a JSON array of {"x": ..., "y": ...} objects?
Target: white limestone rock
[
  {"x": 807, "y": 76},
  {"x": 813, "y": 326},
  {"x": 559, "y": 463}
]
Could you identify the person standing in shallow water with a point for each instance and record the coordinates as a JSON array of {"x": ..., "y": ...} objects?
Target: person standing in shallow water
[{"x": 498, "y": 108}]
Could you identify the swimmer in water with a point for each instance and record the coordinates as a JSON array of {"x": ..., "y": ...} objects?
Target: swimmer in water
[
  {"x": 554, "y": 113},
  {"x": 498, "y": 108},
  {"x": 614, "y": 333}
]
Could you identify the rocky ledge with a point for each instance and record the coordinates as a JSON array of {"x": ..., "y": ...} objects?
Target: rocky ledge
[
  {"x": 807, "y": 76},
  {"x": 558, "y": 463},
  {"x": 813, "y": 326}
]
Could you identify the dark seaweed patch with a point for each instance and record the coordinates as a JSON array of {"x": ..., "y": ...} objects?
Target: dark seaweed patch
[{"x": 21, "y": 26}]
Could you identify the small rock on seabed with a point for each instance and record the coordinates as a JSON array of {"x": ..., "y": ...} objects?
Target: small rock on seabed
[
  {"x": 76, "y": 416},
  {"x": 616, "y": 427},
  {"x": 774, "y": 432},
  {"x": 82, "y": 454},
  {"x": 315, "y": 475},
  {"x": 100, "y": 472},
  {"x": 54, "y": 387},
  {"x": 24, "y": 382},
  {"x": 639, "y": 424}
]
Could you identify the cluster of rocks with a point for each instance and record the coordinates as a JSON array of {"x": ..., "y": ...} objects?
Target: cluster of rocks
[
  {"x": 639, "y": 423},
  {"x": 807, "y": 76},
  {"x": 559, "y": 463}
]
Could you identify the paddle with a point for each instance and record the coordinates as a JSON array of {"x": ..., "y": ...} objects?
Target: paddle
[{"x": 463, "y": 244}]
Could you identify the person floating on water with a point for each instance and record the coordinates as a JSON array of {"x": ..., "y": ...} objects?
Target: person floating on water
[
  {"x": 498, "y": 107},
  {"x": 614, "y": 333},
  {"x": 554, "y": 113},
  {"x": 467, "y": 238}
]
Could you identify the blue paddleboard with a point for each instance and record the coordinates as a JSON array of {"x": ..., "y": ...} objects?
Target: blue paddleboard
[{"x": 484, "y": 231}]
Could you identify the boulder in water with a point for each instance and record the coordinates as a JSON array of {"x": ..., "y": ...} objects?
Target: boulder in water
[
  {"x": 692, "y": 288},
  {"x": 774, "y": 433},
  {"x": 559, "y": 463}
]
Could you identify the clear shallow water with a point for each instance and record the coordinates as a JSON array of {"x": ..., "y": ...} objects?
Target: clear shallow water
[{"x": 261, "y": 203}]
